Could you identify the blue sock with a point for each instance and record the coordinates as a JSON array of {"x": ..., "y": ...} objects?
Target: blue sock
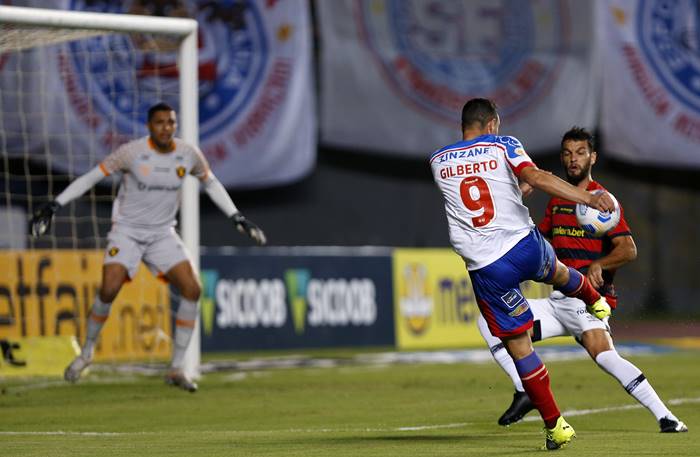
[{"x": 574, "y": 283}]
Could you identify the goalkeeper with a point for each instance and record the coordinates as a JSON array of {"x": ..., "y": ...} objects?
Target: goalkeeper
[
  {"x": 143, "y": 228},
  {"x": 558, "y": 315}
]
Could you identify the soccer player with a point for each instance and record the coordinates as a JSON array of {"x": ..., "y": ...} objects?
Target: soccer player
[
  {"x": 558, "y": 315},
  {"x": 143, "y": 220},
  {"x": 491, "y": 229}
]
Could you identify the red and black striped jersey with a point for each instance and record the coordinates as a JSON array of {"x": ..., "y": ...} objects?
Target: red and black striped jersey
[{"x": 576, "y": 248}]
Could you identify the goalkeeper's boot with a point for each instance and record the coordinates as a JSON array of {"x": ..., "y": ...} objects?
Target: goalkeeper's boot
[
  {"x": 177, "y": 378},
  {"x": 521, "y": 405},
  {"x": 600, "y": 308},
  {"x": 76, "y": 368},
  {"x": 668, "y": 425},
  {"x": 559, "y": 436}
]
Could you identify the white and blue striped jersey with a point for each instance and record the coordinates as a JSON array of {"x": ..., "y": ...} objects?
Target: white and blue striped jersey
[{"x": 479, "y": 182}]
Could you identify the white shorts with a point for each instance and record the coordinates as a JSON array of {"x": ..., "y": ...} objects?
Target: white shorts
[
  {"x": 557, "y": 315},
  {"x": 160, "y": 251}
]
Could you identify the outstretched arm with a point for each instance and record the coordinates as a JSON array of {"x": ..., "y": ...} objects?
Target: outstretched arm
[
  {"x": 221, "y": 198},
  {"x": 80, "y": 186},
  {"x": 41, "y": 221},
  {"x": 218, "y": 195},
  {"x": 557, "y": 187}
]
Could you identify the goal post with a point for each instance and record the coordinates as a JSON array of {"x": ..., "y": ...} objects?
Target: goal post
[{"x": 22, "y": 28}]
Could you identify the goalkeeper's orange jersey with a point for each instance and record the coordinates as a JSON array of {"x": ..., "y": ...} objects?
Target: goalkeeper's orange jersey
[{"x": 576, "y": 248}]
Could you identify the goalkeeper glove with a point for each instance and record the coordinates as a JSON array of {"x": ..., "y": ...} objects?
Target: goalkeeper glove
[
  {"x": 41, "y": 221},
  {"x": 600, "y": 309},
  {"x": 249, "y": 228}
]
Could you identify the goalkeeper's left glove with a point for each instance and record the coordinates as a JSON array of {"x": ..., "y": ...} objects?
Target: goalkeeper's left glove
[
  {"x": 41, "y": 221},
  {"x": 249, "y": 228},
  {"x": 600, "y": 309}
]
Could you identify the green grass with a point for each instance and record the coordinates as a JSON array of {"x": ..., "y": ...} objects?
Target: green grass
[{"x": 344, "y": 411}]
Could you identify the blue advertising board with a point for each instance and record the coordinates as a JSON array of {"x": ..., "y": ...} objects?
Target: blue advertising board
[{"x": 267, "y": 298}]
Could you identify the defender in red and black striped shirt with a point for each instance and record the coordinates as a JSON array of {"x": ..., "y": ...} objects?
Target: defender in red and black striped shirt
[
  {"x": 558, "y": 315},
  {"x": 598, "y": 258}
]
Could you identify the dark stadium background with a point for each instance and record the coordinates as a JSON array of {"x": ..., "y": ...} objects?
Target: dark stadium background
[{"x": 356, "y": 197}]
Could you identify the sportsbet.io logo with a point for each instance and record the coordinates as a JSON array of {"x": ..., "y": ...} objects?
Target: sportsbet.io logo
[
  {"x": 438, "y": 54},
  {"x": 123, "y": 77}
]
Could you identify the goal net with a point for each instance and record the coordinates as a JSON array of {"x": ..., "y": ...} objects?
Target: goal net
[{"x": 73, "y": 86}]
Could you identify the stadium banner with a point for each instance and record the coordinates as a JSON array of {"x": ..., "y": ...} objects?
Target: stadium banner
[
  {"x": 395, "y": 74},
  {"x": 48, "y": 293},
  {"x": 434, "y": 303},
  {"x": 263, "y": 301},
  {"x": 256, "y": 97},
  {"x": 651, "y": 81},
  {"x": 37, "y": 356}
]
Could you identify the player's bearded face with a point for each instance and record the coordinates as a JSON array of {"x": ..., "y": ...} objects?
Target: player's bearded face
[
  {"x": 162, "y": 128},
  {"x": 577, "y": 159}
]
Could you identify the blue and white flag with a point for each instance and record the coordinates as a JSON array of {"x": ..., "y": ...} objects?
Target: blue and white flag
[
  {"x": 651, "y": 81},
  {"x": 257, "y": 121},
  {"x": 396, "y": 73}
]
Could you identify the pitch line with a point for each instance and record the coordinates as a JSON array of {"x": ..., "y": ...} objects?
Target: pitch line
[
  {"x": 585, "y": 412},
  {"x": 414, "y": 428}
]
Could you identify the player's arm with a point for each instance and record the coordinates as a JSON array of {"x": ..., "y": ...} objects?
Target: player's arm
[
  {"x": 42, "y": 218},
  {"x": 557, "y": 187},
  {"x": 623, "y": 251},
  {"x": 221, "y": 199}
]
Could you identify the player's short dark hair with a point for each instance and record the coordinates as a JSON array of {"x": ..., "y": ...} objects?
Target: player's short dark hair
[
  {"x": 579, "y": 134},
  {"x": 162, "y": 106},
  {"x": 481, "y": 110}
]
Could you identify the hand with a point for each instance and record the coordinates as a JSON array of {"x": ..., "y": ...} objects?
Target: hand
[
  {"x": 525, "y": 188},
  {"x": 249, "y": 228},
  {"x": 595, "y": 275},
  {"x": 602, "y": 202},
  {"x": 41, "y": 221}
]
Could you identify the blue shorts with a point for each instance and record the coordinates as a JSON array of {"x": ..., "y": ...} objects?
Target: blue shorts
[{"x": 497, "y": 285}]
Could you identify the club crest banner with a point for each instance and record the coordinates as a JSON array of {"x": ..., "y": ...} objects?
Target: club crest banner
[
  {"x": 80, "y": 99},
  {"x": 651, "y": 81},
  {"x": 395, "y": 74}
]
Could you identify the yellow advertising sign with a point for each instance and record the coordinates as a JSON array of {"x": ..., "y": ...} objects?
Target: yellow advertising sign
[
  {"x": 37, "y": 356},
  {"x": 50, "y": 292},
  {"x": 434, "y": 305}
]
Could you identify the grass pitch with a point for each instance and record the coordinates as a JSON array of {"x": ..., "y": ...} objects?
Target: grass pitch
[{"x": 427, "y": 409}]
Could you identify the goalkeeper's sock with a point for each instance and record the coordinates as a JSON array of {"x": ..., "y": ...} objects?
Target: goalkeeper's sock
[
  {"x": 634, "y": 382},
  {"x": 535, "y": 380},
  {"x": 184, "y": 326},
  {"x": 98, "y": 316},
  {"x": 579, "y": 287},
  {"x": 505, "y": 361}
]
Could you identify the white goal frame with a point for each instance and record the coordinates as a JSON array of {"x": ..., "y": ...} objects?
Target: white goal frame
[{"x": 186, "y": 30}]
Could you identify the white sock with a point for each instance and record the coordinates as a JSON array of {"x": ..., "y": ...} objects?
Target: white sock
[
  {"x": 96, "y": 320},
  {"x": 504, "y": 359},
  {"x": 634, "y": 382},
  {"x": 499, "y": 353},
  {"x": 184, "y": 326}
]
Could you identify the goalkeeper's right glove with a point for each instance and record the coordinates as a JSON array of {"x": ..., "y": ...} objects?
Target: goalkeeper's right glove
[
  {"x": 249, "y": 228},
  {"x": 600, "y": 309},
  {"x": 41, "y": 221}
]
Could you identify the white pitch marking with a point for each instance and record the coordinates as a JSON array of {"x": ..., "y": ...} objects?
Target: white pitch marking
[
  {"x": 573, "y": 412},
  {"x": 585, "y": 412}
]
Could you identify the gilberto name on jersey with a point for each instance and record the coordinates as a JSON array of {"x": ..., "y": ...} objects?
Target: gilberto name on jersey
[{"x": 468, "y": 168}]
